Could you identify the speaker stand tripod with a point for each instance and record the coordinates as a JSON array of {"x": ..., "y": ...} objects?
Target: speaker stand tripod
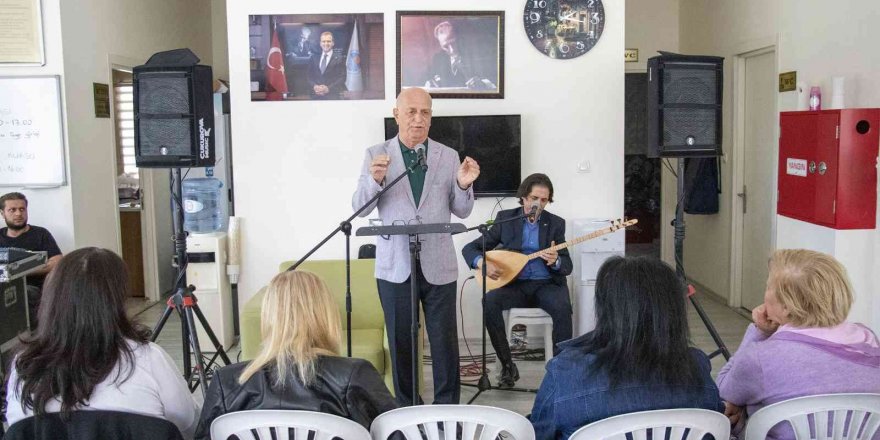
[
  {"x": 678, "y": 224},
  {"x": 186, "y": 304}
]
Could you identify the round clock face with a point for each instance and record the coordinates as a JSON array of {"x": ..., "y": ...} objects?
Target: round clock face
[{"x": 564, "y": 28}]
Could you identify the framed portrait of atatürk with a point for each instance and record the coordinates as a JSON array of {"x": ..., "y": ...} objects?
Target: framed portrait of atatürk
[{"x": 451, "y": 54}]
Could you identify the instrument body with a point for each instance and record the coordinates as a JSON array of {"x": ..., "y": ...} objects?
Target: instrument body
[{"x": 511, "y": 263}]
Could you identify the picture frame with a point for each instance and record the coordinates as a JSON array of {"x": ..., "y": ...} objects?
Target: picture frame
[
  {"x": 288, "y": 61},
  {"x": 23, "y": 43},
  {"x": 451, "y": 54}
]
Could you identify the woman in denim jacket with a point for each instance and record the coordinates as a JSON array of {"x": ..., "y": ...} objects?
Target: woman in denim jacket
[{"x": 637, "y": 359}]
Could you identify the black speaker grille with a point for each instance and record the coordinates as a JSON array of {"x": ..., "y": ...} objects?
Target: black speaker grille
[
  {"x": 175, "y": 135},
  {"x": 680, "y": 123},
  {"x": 692, "y": 86},
  {"x": 163, "y": 94}
]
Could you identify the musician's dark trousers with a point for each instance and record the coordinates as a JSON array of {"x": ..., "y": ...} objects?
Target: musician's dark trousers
[
  {"x": 546, "y": 294},
  {"x": 438, "y": 303}
]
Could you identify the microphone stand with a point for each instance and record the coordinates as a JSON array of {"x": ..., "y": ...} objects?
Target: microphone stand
[
  {"x": 345, "y": 227},
  {"x": 484, "y": 384}
]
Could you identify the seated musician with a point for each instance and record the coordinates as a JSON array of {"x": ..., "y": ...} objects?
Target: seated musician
[
  {"x": 541, "y": 283},
  {"x": 19, "y": 234}
]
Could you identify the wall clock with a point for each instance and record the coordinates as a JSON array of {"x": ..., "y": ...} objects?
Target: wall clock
[{"x": 564, "y": 28}]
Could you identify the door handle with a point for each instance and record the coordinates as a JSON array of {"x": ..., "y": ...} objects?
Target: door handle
[{"x": 744, "y": 196}]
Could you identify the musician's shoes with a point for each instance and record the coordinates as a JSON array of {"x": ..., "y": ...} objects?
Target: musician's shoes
[{"x": 509, "y": 376}]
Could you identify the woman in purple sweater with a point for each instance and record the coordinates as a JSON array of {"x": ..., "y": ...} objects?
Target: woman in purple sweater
[{"x": 800, "y": 344}]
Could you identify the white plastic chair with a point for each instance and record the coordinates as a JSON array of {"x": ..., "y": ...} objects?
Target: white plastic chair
[
  {"x": 531, "y": 316},
  {"x": 864, "y": 409},
  {"x": 325, "y": 426},
  {"x": 699, "y": 421},
  {"x": 477, "y": 423}
]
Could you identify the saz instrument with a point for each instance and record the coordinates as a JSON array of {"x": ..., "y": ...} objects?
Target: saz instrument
[{"x": 511, "y": 263}]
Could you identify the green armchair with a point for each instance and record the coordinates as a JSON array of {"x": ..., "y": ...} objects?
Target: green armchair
[{"x": 368, "y": 334}]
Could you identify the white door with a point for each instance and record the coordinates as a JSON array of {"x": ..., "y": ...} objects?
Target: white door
[{"x": 759, "y": 162}]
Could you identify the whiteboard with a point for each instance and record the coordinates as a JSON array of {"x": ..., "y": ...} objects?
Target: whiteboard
[{"x": 31, "y": 133}]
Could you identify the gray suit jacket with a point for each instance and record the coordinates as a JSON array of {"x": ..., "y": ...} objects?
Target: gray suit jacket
[{"x": 441, "y": 197}]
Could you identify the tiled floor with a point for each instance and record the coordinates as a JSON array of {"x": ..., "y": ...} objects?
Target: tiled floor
[{"x": 731, "y": 327}]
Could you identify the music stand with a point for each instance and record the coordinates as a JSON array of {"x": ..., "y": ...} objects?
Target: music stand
[{"x": 415, "y": 247}]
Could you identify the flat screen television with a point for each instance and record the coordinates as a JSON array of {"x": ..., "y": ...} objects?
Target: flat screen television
[{"x": 493, "y": 141}]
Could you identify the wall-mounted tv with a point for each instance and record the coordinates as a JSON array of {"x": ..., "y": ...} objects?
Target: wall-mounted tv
[{"x": 493, "y": 141}]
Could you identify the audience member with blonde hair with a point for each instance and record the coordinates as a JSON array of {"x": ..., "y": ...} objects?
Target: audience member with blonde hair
[
  {"x": 800, "y": 343},
  {"x": 298, "y": 367}
]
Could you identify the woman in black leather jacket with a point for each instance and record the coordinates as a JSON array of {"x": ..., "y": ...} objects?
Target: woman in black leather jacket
[{"x": 299, "y": 367}]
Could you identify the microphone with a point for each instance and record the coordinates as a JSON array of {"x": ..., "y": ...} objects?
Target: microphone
[
  {"x": 423, "y": 161},
  {"x": 533, "y": 212}
]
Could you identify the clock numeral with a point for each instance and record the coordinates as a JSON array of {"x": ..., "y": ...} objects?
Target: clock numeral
[
  {"x": 594, "y": 18},
  {"x": 540, "y": 3},
  {"x": 548, "y": 46},
  {"x": 539, "y": 34},
  {"x": 590, "y": 3},
  {"x": 564, "y": 48},
  {"x": 580, "y": 45},
  {"x": 534, "y": 17}
]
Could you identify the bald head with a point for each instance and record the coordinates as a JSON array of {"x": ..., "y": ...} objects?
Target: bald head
[
  {"x": 413, "y": 115},
  {"x": 413, "y": 93}
]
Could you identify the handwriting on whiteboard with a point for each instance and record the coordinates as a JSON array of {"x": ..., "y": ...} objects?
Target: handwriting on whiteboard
[{"x": 31, "y": 131}]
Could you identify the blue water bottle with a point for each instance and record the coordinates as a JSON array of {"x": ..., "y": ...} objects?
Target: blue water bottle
[{"x": 201, "y": 205}]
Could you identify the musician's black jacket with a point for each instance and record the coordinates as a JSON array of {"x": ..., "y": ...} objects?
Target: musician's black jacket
[{"x": 509, "y": 236}]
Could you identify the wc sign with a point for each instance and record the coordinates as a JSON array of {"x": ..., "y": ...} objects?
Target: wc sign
[{"x": 796, "y": 167}]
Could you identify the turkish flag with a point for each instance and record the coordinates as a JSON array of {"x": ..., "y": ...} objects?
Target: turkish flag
[{"x": 276, "y": 81}]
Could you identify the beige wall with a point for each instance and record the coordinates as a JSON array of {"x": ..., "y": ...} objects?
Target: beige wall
[
  {"x": 97, "y": 33},
  {"x": 651, "y": 25},
  {"x": 49, "y": 207},
  {"x": 818, "y": 42},
  {"x": 715, "y": 27},
  {"x": 220, "y": 46}
]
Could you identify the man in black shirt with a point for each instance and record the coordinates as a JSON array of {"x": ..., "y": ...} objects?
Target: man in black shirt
[{"x": 19, "y": 234}]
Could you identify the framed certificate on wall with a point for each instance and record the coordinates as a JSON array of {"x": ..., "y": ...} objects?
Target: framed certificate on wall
[{"x": 21, "y": 33}]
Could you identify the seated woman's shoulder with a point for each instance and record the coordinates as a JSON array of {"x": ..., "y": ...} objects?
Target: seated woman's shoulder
[{"x": 344, "y": 362}]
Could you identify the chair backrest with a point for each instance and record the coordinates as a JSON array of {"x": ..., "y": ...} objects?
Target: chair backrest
[
  {"x": 93, "y": 425},
  {"x": 847, "y": 415},
  {"x": 476, "y": 423},
  {"x": 694, "y": 422},
  {"x": 364, "y": 291},
  {"x": 259, "y": 424},
  {"x": 367, "y": 251}
]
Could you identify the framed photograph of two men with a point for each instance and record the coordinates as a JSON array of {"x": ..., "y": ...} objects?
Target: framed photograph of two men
[
  {"x": 451, "y": 54},
  {"x": 300, "y": 57}
]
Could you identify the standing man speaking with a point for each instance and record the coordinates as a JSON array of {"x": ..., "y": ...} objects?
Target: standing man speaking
[{"x": 425, "y": 197}]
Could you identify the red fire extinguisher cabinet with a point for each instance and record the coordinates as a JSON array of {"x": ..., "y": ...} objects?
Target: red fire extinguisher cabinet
[{"x": 828, "y": 167}]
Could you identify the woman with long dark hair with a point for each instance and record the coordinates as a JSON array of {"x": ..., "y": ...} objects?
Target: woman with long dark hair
[
  {"x": 637, "y": 359},
  {"x": 88, "y": 355}
]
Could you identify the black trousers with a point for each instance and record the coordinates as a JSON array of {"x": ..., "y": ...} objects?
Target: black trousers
[
  {"x": 438, "y": 303},
  {"x": 545, "y": 294}
]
